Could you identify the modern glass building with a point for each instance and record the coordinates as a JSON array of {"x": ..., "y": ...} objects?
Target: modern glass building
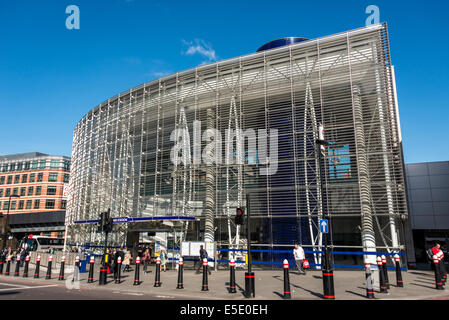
[{"x": 274, "y": 100}]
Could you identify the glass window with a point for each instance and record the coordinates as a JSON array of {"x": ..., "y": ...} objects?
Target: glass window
[
  {"x": 2, "y": 180},
  {"x": 4, "y": 168},
  {"x": 38, "y": 190},
  {"x": 40, "y": 177},
  {"x": 66, "y": 165},
  {"x": 51, "y": 190},
  {"x": 66, "y": 178},
  {"x": 29, "y": 204},
  {"x": 55, "y": 164},
  {"x": 15, "y": 191},
  {"x": 24, "y": 178},
  {"x": 19, "y": 166},
  {"x": 34, "y": 165},
  {"x": 42, "y": 164},
  {"x": 12, "y": 167},
  {"x": 30, "y": 191},
  {"x": 32, "y": 177},
  {"x": 53, "y": 177},
  {"x": 50, "y": 204},
  {"x": 17, "y": 178},
  {"x": 1, "y": 193},
  {"x": 9, "y": 180},
  {"x": 63, "y": 204},
  {"x": 13, "y": 205},
  {"x": 7, "y": 192},
  {"x": 23, "y": 191},
  {"x": 21, "y": 203},
  {"x": 6, "y": 205},
  {"x": 37, "y": 203},
  {"x": 27, "y": 165}
]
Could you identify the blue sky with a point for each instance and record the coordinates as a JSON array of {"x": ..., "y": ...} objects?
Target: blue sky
[{"x": 51, "y": 76}]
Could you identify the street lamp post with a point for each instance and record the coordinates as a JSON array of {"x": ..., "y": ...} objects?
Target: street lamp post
[
  {"x": 327, "y": 269},
  {"x": 7, "y": 220}
]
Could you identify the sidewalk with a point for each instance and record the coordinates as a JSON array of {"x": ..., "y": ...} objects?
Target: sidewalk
[{"x": 349, "y": 285}]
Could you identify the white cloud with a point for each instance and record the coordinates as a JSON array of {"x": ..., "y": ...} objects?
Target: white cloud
[{"x": 200, "y": 47}]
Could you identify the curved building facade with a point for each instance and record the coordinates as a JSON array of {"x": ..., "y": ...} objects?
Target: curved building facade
[{"x": 182, "y": 152}]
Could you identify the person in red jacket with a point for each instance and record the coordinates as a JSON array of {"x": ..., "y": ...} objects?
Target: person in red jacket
[{"x": 436, "y": 249}]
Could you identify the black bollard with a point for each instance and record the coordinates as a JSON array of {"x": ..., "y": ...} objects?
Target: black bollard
[
  {"x": 27, "y": 264},
  {"x": 328, "y": 276},
  {"x": 61, "y": 271},
  {"x": 205, "y": 286},
  {"x": 48, "y": 275},
  {"x": 118, "y": 266},
  {"x": 136, "y": 276},
  {"x": 180, "y": 280},
  {"x": 38, "y": 263},
  {"x": 16, "y": 273},
  {"x": 103, "y": 275},
  {"x": 90, "y": 278},
  {"x": 382, "y": 285},
  {"x": 8, "y": 266},
  {"x": 157, "y": 279},
  {"x": 232, "y": 276},
  {"x": 438, "y": 279},
  {"x": 384, "y": 266},
  {"x": 399, "y": 282},
  {"x": 369, "y": 281},
  {"x": 287, "y": 292}
]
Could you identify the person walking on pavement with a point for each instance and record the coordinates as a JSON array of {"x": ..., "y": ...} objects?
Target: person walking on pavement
[
  {"x": 163, "y": 260},
  {"x": 299, "y": 255},
  {"x": 23, "y": 254},
  {"x": 126, "y": 261},
  {"x": 203, "y": 254},
  {"x": 146, "y": 260}
]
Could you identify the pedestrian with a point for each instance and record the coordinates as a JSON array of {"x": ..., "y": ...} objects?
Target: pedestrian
[
  {"x": 23, "y": 254},
  {"x": 114, "y": 257},
  {"x": 163, "y": 256},
  {"x": 51, "y": 251},
  {"x": 203, "y": 255},
  {"x": 126, "y": 261},
  {"x": 299, "y": 255},
  {"x": 146, "y": 258}
]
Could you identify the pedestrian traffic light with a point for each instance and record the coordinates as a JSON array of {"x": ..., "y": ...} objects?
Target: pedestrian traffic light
[{"x": 239, "y": 216}]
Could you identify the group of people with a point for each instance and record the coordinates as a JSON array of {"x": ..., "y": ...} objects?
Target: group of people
[
  {"x": 110, "y": 259},
  {"x": 13, "y": 254}
]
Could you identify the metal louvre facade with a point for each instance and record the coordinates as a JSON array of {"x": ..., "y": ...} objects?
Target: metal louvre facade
[{"x": 122, "y": 149}]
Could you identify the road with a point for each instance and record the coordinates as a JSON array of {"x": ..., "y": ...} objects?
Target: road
[{"x": 18, "y": 290}]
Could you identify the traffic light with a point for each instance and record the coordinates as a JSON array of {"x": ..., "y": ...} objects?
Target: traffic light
[
  {"x": 239, "y": 216},
  {"x": 101, "y": 222},
  {"x": 105, "y": 222}
]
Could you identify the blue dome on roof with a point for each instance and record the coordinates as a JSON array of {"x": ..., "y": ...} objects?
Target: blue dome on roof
[{"x": 280, "y": 43}]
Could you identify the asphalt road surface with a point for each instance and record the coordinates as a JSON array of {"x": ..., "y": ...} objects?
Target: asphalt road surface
[{"x": 15, "y": 290}]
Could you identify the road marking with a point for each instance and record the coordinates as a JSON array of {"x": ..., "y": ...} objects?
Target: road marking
[
  {"x": 12, "y": 285},
  {"x": 24, "y": 287}
]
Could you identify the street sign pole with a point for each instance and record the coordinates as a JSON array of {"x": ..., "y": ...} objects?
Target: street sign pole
[
  {"x": 249, "y": 276},
  {"x": 327, "y": 269}
]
